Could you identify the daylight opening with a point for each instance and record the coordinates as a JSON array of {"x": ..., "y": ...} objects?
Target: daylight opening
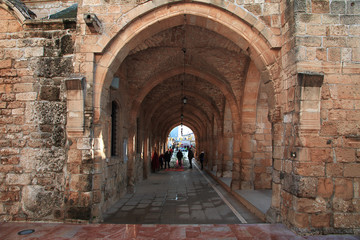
[{"x": 181, "y": 137}]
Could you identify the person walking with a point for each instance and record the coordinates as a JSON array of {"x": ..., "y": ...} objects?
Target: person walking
[
  {"x": 179, "y": 156},
  {"x": 161, "y": 160},
  {"x": 190, "y": 156},
  {"x": 201, "y": 158},
  {"x": 155, "y": 161},
  {"x": 167, "y": 157}
]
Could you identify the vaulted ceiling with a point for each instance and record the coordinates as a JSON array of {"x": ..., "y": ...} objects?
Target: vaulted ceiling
[{"x": 212, "y": 70}]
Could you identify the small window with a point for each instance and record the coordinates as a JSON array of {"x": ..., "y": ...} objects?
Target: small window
[{"x": 114, "y": 122}]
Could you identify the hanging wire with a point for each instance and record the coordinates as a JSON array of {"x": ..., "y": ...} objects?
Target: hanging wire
[{"x": 183, "y": 98}]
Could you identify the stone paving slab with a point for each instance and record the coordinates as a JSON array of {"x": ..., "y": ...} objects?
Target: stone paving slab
[{"x": 187, "y": 197}]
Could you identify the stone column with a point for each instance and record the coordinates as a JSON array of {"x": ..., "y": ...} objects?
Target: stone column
[
  {"x": 131, "y": 160},
  {"x": 236, "y": 169}
]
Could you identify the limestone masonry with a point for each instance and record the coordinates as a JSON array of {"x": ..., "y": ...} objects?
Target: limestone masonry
[{"x": 89, "y": 88}]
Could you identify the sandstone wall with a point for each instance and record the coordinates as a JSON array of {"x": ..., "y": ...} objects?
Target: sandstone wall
[
  {"x": 33, "y": 66},
  {"x": 313, "y": 184},
  {"x": 55, "y": 142}
]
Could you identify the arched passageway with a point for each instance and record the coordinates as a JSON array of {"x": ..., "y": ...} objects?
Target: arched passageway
[
  {"x": 272, "y": 95},
  {"x": 219, "y": 64}
]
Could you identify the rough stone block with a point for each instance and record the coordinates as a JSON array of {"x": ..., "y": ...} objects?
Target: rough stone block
[
  {"x": 301, "y": 220},
  {"x": 81, "y": 182},
  {"x": 18, "y": 179},
  {"x": 82, "y": 213},
  {"x": 352, "y": 170},
  {"x": 320, "y": 6},
  {"x": 9, "y": 196},
  {"x": 346, "y": 220},
  {"x": 309, "y": 41},
  {"x": 37, "y": 202},
  {"x": 29, "y": 96},
  {"x": 334, "y": 42},
  {"x": 321, "y": 220},
  {"x": 310, "y": 169},
  {"x": 5, "y": 63},
  {"x": 34, "y": 52},
  {"x": 341, "y": 205},
  {"x": 345, "y": 154},
  {"x": 307, "y": 205},
  {"x": 344, "y": 188},
  {"x": 350, "y": 19},
  {"x": 337, "y": 7},
  {"x": 300, "y": 6},
  {"x": 353, "y": 7},
  {"x": 50, "y": 93},
  {"x": 325, "y": 187},
  {"x": 334, "y": 54}
]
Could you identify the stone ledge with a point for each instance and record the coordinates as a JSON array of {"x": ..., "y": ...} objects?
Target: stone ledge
[{"x": 259, "y": 212}]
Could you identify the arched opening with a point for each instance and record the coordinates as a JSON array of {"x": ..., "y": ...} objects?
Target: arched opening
[
  {"x": 214, "y": 73},
  {"x": 181, "y": 136}
]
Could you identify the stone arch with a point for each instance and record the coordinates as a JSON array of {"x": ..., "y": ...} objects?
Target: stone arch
[
  {"x": 230, "y": 8},
  {"x": 197, "y": 116},
  {"x": 18, "y": 10},
  {"x": 186, "y": 123},
  {"x": 194, "y": 130},
  {"x": 252, "y": 138},
  {"x": 229, "y": 25},
  {"x": 155, "y": 80},
  {"x": 187, "y": 93},
  {"x": 116, "y": 48}
]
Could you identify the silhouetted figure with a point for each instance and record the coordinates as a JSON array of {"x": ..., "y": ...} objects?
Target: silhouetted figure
[
  {"x": 167, "y": 157},
  {"x": 179, "y": 156},
  {"x": 190, "y": 155},
  {"x": 201, "y": 158},
  {"x": 161, "y": 160},
  {"x": 155, "y": 161}
]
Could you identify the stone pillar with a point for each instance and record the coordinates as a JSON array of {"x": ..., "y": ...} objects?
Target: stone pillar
[
  {"x": 220, "y": 156},
  {"x": 236, "y": 169},
  {"x": 131, "y": 160},
  {"x": 78, "y": 194}
]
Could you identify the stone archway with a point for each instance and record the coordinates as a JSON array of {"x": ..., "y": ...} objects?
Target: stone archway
[{"x": 258, "y": 48}]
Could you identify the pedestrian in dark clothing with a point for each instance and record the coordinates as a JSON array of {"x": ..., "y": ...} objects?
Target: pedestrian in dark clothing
[
  {"x": 190, "y": 155},
  {"x": 167, "y": 157},
  {"x": 179, "y": 156},
  {"x": 155, "y": 161},
  {"x": 161, "y": 160},
  {"x": 201, "y": 158}
]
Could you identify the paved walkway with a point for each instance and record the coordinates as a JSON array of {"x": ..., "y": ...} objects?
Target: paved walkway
[
  {"x": 189, "y": 196},
  {"x": 169, "y": 205}
]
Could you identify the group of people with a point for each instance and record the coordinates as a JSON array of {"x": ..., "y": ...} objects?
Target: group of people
[{"x": 158, "y": 162}]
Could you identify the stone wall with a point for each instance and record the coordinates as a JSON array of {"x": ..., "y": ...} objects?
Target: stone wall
[
  {"x": 317, "y": 193},
  {"x": 33, "y": 66},
  {"x": 299, "y": 105}
]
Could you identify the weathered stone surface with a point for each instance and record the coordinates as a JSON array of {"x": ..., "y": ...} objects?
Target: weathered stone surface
[
  {"x": 241, "y": 63},
  {"x": 38, "y": 203},
  {"x": 51, "y": 161},
  {"x": 83, "y": 213},
  {"x": 50, "y": 93},
  {"x": 46, "y": 112},
  {"x": 54, "y": 67}
]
